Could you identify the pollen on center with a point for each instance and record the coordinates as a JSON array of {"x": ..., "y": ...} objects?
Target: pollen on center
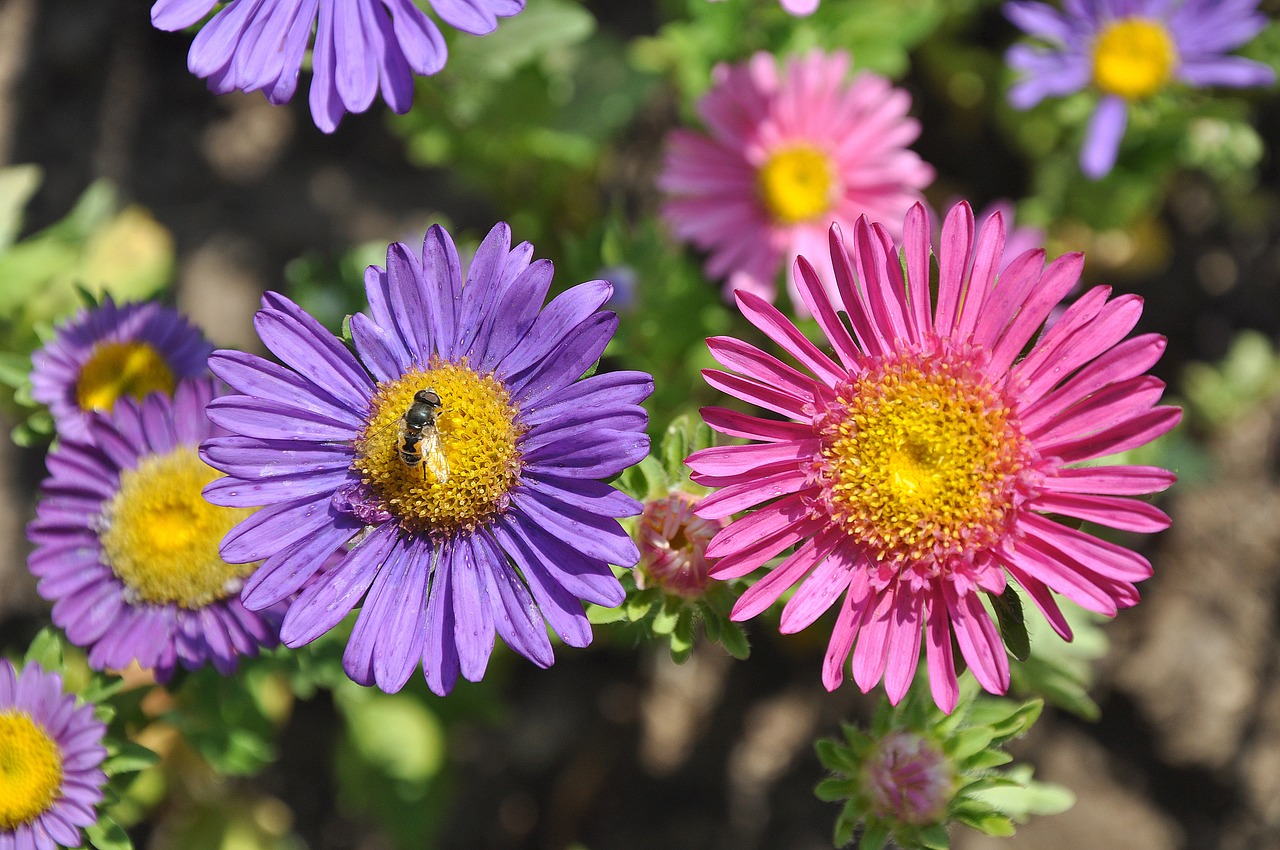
[
  {"x": 160, "y": 537},
  {"x": 118, "y": 369},
  {"x": 475, "y": 431},
  {"x": 30, "y": 769},
  {"x": 921, "y": 460},
  {"x": 796, "y": 184}
]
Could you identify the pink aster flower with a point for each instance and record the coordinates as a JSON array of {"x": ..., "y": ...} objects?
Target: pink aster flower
[
  {"x": 787, "y": 155},
  {"x": 926, "y": 464}
]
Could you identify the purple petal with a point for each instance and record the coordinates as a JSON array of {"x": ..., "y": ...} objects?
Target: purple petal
[
  {"x": 1102, "y": 139},
  {"x": 323, "y": 605}
]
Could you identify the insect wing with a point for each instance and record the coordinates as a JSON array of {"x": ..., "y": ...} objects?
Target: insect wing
[{"x": 433, "y": 454}]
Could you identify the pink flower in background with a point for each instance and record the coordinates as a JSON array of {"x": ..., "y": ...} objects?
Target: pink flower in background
[
  {"x": 786, "y": 155},
  {"x": 928, "y": 465},
  {"x": 799, "y": 8}
]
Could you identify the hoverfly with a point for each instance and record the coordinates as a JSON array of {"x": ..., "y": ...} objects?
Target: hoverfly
[{"x": 419, "y": 437}]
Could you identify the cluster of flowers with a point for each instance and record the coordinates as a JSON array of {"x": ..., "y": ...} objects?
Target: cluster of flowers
[{"x": 445, "y": 468}]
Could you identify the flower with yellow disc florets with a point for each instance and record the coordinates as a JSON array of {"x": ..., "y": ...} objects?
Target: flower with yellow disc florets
[
  {"x": 1127, "y": 53},
  {"x": 109, "y": 352},
  {"x": 126, "y": 546},
  {"x": 455, "y": 455},
  {"x": 928, "y": 463}
]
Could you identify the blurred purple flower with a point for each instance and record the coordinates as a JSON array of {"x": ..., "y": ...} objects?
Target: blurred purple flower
[
  {"x": 126, "y": 547},
  {"x": 1128, "y": 50},
  {"x": 359, "y": 46}
]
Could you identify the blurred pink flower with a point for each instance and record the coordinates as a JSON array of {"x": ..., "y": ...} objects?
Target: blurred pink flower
[{"x": 788, "y": 154}]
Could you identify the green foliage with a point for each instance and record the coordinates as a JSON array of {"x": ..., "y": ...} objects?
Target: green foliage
[
  {"x": 1247, "y": 378},
  {"x": 651, "y": 612},
  {"x": 985, "y": 795},
  {"x": 99, "y": 248},
  {"x": 524, "y": 115}
]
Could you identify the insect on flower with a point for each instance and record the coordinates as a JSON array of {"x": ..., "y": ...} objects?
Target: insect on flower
[{"x": 420, "y": 437}]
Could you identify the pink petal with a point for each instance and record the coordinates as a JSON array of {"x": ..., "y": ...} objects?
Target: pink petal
[
  {"x": 1099, "y": 556},
  {"x": 1107, "y": 408},
  {"x": 754, "y": 363},
  {"x": 986, "y": 262},
  {"x": 737, "y": 424},
  {"x": 979, "y": 640},
  {"x": 766, "y": 591},
  {"x": 870, "y": 654},
  {"x": 904, "y": 644},
  {"x": 1128, "y": 435},
  {"x": 756, "y": 457},
  {"x": 1012, "y": 289},
  {"x": 915, "y": 240},
  {"x": 749, "y": 389},
  {"x": 819, "y": 591},
  {"x": 1129, "y": 359},
  {"x": 1124, "y": 514},
  {"x": 815, "y": 298},
  {"x": 942, "y": 667},
  {"x": 856, "y": 604},
  {"x": 778, "y": 328},
  {"x": 953, "y": 262},
  {"x": 1113, "y": 480},
  {"x": 1060, "y": 278},
  {"x": 757, "y": 526},
  {"x": 733, "y": 498}
]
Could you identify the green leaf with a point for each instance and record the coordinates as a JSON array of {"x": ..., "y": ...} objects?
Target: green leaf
[
  {"x": 17, "y": 184},
  {"x": 831, "y": 789},
  {"x": 675, "y": 447},
  {"x": 130, "y": 758},
  {"x": 106, "y": 834},
  {"x": 1013, "y": 625},
  {"x": 988, "y": 822},
  {"x": 664, "y": 622},
  {"x": 874, "y": 836},
  {"x": 935, "y": 837},
  {"x": 599, "y": 615},
  {"x": 46, "y": 650},
  {"x": 734, "y": 640}
]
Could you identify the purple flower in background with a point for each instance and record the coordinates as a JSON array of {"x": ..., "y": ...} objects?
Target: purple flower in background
[
  {"x": 1128, "y": 50},
  {"x": 456, "y": 453},
  {"x": 51, "y": 758},
  {"x": 358, "y": 47},
  {"x": 111, "y": 352},
  {"x": 126, "y": 547}
]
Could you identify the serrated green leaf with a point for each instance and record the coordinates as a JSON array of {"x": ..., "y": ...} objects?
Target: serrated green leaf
[
  {"x": 935, "y": 837},
  {"x": 106, "y": 834},
  {"x": 734, "y": 640},
  {"x": 989, "y": 823},
  {"x": 987, "y": 759},
  {"x": 1013, "y": 626}
]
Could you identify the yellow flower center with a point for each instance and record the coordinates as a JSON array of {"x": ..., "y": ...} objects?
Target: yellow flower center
[
  {"x": 161, "y": 537},
  {"x": 30, "y": 769},
  {"x": 920, "y": 460},
  {"x": 1133, "y": 58},
  {"x": 475, "y": 432},
  {"x": 118, "y": 369},
  {"x": 796, "y": 184}
]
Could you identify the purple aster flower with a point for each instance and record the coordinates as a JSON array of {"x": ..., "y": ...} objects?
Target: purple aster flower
[
  {"x": 456, "y": 452},
  {"x": 51, "y": 754},
  {"x": 113, "y": 351},
  {"x": 1128, "y": 50},
  {"x": 359, "y": 47},
  {"x": 126, "y": 547}
]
